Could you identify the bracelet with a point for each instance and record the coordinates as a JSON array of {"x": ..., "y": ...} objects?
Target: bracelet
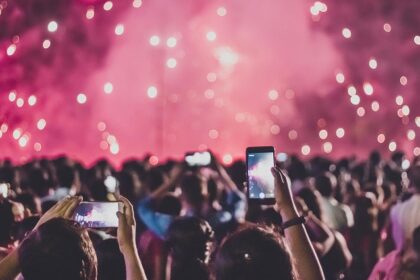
[{"x": 293, "y": 222}]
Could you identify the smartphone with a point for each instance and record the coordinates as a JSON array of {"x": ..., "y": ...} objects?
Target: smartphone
[
  {"x": 198, "y": 159},
  {"x": 97, "y": 214},
  {"x": 259, "y": 161},
  {"x": 4, "y": 190}
]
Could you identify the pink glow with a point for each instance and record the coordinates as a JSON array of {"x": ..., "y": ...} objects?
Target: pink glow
[{"x": 130, "y": 78}]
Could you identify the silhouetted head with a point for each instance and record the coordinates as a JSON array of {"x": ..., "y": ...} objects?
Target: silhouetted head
[
  {"x": 39, "y": 182},
  {"x": 189, "y": 240},
  {"x": 374, "y": 158},
  {"x": 324, "y": 185},
  {"x": 154, "y": 179},
  {"x": 58, "y": 249},
  {"x": 66, "y": 176},
  {"x": 24, "y": 227},
  {"x": 110, "y": 260},
  {"x": 311, "y": 200},
  {"x": 29, "y": 201},
  {"x": 253, "y": 253},
  {"x": 193, "y": 189},
  {"x": 414, "y": 176},
  {"x": 6, "y": 222},
  {"x": 416, "y": 240},
  {"x": 169, "y": 204}
]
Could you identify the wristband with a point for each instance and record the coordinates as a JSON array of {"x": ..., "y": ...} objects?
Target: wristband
[{"x": 293, "y": 222}]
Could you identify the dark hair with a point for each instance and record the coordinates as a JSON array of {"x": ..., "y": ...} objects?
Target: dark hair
[
  {"x": 110, "y": 260},
  {"x": 414, "y": 176},
  {"x": 169, "y": 204},
  {"x": 66, "y": 176},
  {"x": 296, "y": 169},
  {"x": 127, "y": 185},
  {"x": 188, "y": 241},
  {"x": 39, "y": 182},
  {"x": 29, "y": 201},
  {"x": 311, "y": 200},
  {"x": 416, "y": 240},
  {"x": 253, "y": 253},
  {"x": 323, "y": 185},
  {"x": 58, "y": 249},
  {"x": 22, "y": 228},
  {"x": 154, "y": 179},
  {"x": 192, "y": 188},
  {"x": 99, "y": 191},
  {"x": 6, "y": 222}
]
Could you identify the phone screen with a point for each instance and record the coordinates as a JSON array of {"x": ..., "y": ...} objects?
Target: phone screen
[
  {"x": 260, "y": 179},
  {"x": 97, "y": 214},
  {"x": 198, "y": 158},
  {"x": 4, "y": 190}
]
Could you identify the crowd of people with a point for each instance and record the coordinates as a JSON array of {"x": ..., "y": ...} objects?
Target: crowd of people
[{"x": 344, "y": 219}]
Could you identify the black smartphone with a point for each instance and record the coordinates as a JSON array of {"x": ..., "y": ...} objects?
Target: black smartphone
[
  {"x": 259, "y": 161},
  {"x": 97, "y": 214},
  {"x": 199, "y": 159}
]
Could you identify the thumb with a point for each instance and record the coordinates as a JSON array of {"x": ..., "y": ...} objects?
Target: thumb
[{"x": 121, "y": 219}]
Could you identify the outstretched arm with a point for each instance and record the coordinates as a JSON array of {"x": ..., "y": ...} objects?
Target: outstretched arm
[
  {"x": 303, "y": 254},
  {"x": 126, "y": 241}
]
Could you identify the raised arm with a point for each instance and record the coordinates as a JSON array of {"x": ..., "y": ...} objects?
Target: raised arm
[
  {"x": 224, "y": 176},
  {"x": 303, "y": 254},
  {"x": 174, "y": 177},
  {"x": 126, "y": 241},
  {"x": 9, "y": 266}
]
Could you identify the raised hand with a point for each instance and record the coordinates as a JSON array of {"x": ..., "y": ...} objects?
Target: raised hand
[
  {"x": 62, "y": 209},
  {"x": 126, "y": 226}
]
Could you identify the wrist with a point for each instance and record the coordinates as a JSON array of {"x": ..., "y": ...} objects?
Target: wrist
[
  {"x": 128, "y": 250},
  {"x": 287, "y": 211}
]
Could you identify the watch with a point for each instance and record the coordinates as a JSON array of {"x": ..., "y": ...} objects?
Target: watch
[{"x": 293, "y": 222}]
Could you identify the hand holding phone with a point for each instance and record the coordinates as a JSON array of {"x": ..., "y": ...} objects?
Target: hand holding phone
[
  {"x": 4, "y": 190},
  {"x": 97, "y": 214},
  {"x": 199, "y": 159},
  {"x": 261, "y": 185}
]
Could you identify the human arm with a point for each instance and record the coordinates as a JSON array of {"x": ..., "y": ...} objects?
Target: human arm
[
  {"x": 306, "y": 262},
  {"x": 174, "y": 177},
  {"x": 9, "y": 266},
  {"x": 224, "y": 176},
  {"x": 157, "y": 222},
  {"x": 126, "y": 241}
]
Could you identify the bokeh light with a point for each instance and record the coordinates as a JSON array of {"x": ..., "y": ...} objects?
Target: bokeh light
[
  {"x": 229, "y": 83},
  {"x": 52, "y": 26}
]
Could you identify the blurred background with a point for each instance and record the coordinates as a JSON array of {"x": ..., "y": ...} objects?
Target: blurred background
[{"x": 116, "y": 79}]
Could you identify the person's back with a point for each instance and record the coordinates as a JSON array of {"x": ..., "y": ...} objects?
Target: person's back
[
  {"x": 404, "y": 216},
  {"x": 337, "y": 216},
  {"x": 189, "y": 242},
  {"x": 58, "y": 249},
  {"x": 401, "y": 264}
]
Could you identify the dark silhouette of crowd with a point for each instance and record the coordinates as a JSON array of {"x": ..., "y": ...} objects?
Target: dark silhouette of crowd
[{"x": 351, "y": 219}]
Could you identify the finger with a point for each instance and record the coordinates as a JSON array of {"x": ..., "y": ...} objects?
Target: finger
[
  {"x": 128, "y": 209},
  {"x": 121, "y": 219},
  {"x": 278, "y": 174},
  {"x": 283, "y": 176},
  {"x": 69, "y": 211},
  {"x": 59, "y": 206},
  {"x": 275, "y": 173}
]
